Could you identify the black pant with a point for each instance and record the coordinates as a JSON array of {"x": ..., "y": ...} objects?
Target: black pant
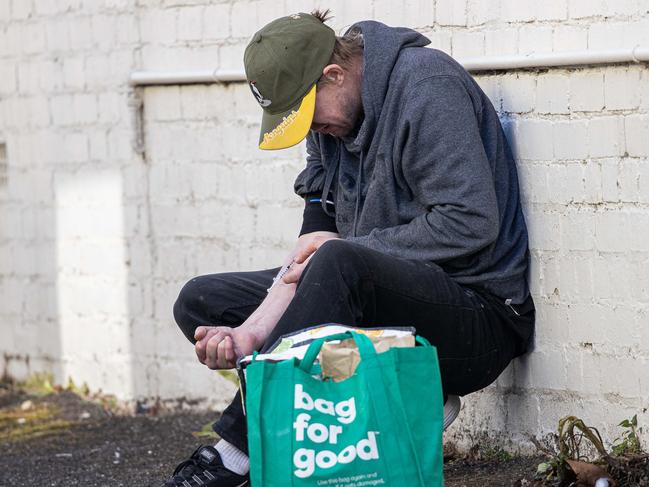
[{"x": 476, "y": 335}]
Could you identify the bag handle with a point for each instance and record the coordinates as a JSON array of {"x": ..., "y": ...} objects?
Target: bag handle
[
  {"x": 253, "y": 426},
  {"x": 364, "y": 344}
]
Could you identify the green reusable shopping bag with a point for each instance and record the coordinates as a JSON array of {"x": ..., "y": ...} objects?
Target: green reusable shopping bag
[{"x": 382, "y": 426}]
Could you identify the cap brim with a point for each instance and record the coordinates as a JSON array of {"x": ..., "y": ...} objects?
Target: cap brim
[{"x": 288, "y": 128}]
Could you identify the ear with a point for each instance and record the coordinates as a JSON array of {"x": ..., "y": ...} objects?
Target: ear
[{"x": 334, "y": 73}]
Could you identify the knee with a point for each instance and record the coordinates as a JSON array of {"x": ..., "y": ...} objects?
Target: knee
[{"x": 189, "y": 308}]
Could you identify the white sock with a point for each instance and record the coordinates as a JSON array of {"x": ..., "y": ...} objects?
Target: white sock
[{"x": 233, "y": 458}]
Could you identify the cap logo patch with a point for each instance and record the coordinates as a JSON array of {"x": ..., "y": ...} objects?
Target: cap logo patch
[
  {"x": 295, "y": 16},
  {"x": 279, "y": 130},
  {"x": 264, "y": 102}
]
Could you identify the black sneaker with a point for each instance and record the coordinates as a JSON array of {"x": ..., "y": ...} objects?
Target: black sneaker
[{"x": 205, "y": 469}]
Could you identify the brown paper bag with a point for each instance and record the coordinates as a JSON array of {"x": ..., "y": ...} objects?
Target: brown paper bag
[{"x": 339, "y": 360}]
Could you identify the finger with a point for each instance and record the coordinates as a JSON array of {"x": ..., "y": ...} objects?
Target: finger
[
  {"x": 230, "y": 355},
  {"x": 199, "y": 348},
  {"x": 211, "y": 350},
  {"x": 200, "y": 332},
  {"x": 201, "y": 345},
  {"x": 297, "y": 271},
  {"x": 290, "y": 278},
  {"x": 293, "y": 275},
  {"x": 304, "y": 254},
  {"x": 211, "y": 331},
  {"x": 221, "y": 360}
]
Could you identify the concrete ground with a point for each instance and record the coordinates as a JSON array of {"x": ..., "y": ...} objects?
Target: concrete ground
[{"x": 59, "y": 439}]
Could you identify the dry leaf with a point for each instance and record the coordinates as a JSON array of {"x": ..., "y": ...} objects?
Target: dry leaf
[{"x": 588, "y": 474}]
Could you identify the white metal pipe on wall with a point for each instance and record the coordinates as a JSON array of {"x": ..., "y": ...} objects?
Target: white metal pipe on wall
[
  {"x": 556, "y": 59},
  {"x": 148, "y": 78},
  {"x": 488, "y": 63}
]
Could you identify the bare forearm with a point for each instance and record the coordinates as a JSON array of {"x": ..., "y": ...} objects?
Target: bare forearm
[
  {"x": 266, "y": 316},
  {"x": 218, "y": 347},
  {"x": 263, "y": 320}
]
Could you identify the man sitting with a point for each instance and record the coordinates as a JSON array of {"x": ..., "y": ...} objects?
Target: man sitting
[{"x": 412, "y": 216}]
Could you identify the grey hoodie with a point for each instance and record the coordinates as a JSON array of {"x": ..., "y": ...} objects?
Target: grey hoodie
[{"x": 430, "y": 175}]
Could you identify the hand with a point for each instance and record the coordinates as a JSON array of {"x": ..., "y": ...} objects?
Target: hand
[
  {"x": 219, "y": 347},
  {"x": 305, "y": 241},
  {"x": 304, "y": 254}
]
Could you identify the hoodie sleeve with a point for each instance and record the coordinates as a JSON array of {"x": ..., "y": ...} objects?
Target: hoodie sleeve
[
  {"x": 309, "y": 185},
  {"x": 439, "y": 152}
]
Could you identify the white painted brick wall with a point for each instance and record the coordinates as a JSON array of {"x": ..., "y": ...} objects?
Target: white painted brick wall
[
  {"x": 96, "y": 241},
  {"x": 451, "y": 12},
  {"x": 552, "y": 94}
]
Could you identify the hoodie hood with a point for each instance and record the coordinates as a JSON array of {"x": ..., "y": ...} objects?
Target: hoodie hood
[
  {"x": 382, "y": 46},
  {"x": 429, "y": 175}
]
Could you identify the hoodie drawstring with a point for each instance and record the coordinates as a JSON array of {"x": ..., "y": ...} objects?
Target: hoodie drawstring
[
  {"x": 328, "y": 181},
  {"x": 359, "y": 193}
]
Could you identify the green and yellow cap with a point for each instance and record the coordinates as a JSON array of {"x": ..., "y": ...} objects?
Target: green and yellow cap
[{"x": 283, "y": 62}]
